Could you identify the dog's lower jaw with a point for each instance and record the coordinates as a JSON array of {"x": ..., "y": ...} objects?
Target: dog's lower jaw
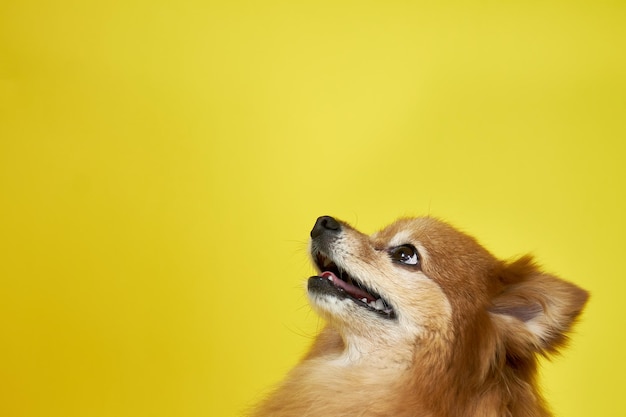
[{"x": 377, "y": 346}]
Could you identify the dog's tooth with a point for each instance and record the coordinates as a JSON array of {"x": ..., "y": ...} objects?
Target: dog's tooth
[
  {"x": 376, "y": 304},
  {"x": 364, "y": 300}
]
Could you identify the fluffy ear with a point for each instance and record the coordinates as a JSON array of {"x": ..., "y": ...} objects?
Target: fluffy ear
[{"x": 534, "y": 311}]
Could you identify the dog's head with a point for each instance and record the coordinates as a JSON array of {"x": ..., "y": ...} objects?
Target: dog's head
[{"x": 420, "y": 280}]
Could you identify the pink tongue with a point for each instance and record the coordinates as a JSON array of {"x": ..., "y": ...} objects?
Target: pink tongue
[{"x": 356, "y": 292}]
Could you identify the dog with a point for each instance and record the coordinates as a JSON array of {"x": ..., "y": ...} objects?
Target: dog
[{"x": 422, "y": 321}]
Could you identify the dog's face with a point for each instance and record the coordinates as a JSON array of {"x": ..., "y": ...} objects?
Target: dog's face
[
  {"x": 420, "y": 278},
  {"x": 400, "y": 279}
]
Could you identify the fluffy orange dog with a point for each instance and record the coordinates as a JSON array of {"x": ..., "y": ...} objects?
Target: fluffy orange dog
[{"x": 423, "y": 321}]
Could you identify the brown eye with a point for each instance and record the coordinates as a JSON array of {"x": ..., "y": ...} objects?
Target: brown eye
[{"x": 405, "y": 254}]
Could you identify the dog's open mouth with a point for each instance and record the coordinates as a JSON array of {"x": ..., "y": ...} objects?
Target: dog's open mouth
[{"x": 344, "y": 285}]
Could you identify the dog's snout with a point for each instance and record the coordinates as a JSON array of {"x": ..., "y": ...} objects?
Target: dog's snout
[{"x": 325, "y": 224}]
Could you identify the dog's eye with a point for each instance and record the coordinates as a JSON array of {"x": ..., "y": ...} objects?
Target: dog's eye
[{"x": 405, "y": 254}]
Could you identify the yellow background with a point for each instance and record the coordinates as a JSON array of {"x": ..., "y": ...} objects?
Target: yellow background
[{"x": 161, "y": 165}]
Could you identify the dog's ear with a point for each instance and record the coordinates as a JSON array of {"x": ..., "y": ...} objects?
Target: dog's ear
[{"x": 534, "y": 311}]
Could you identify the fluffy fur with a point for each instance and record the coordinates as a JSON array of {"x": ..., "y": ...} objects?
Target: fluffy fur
[{"x": 458, "y": 333}]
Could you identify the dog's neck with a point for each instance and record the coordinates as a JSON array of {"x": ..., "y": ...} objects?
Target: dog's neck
[
  {"x": 348, "y": 375},
  {"x": 383, "y": 350},
  {"x": 379, "y": 351}
]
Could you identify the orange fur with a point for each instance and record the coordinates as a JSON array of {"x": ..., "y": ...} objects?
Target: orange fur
[{"x": 462, "y": 337}]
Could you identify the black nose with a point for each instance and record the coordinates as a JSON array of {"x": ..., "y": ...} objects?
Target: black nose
[{"x": 325, "y": 224}]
